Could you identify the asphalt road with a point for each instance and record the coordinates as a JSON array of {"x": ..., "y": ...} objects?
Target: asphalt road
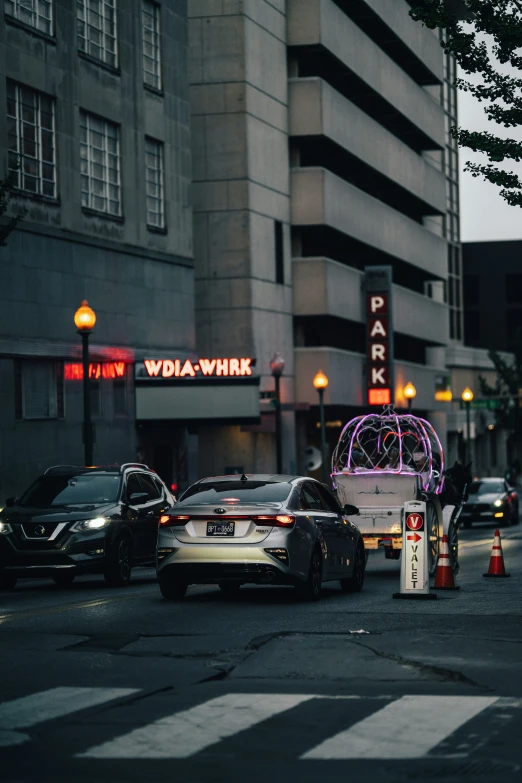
[{"x": 99, "y": 684}]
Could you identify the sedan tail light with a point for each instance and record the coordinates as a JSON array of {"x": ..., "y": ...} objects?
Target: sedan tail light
[
  {"x": 279, "y": 520},
  {"x": 173, "y": 520}
]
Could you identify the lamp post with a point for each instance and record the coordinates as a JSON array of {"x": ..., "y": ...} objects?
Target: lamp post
[
  {"x": 84, "y": 320},
  {"x": 277, "y": 365},
  {"x": 320, "y": 383},
  {"x": 467, "y": 396},
  {"x": 410, "y": 393}
]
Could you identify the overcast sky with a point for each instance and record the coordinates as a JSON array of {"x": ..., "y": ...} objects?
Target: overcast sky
[{"x": 484, "y": 213}]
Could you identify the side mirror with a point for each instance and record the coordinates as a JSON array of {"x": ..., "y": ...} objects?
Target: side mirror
[
  {"x": 350, "y": 511},
  {"x": 138, "y": 497},
  {"x": 10, "y": 502}
]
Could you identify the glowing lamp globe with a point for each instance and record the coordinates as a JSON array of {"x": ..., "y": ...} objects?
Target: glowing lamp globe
[
  {"x": 84, "y": 317},
  {"x": 320, "y": 381},
  {"x": 277, "y": 365},
  {"x": 409, "y": 391},
  {"x": 467, "y": 394}
]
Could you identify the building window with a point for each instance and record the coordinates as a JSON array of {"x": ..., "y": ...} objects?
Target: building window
[
  {"x": 36, "y": 13},
  {"x": 31, "y": 140},
  {"x": 39, "y": 389},
  {"x": 154, "y": 183},
  {"x": 151, "y": 44},
  {"x": 119, "y": 396},
  {"x": 96, "y": 27},
  {"x": 279, "y": 252},
  {"x": 100, "y": 165}
]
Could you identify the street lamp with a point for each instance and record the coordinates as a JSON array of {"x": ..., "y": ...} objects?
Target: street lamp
[
  {"x": 320, "y": 383},
  {"x": 467, "y": 396},
  {"x": 277, "y": 365},
  {"x": 84, "y": 320},
  {"x": 410, "y": 393}
]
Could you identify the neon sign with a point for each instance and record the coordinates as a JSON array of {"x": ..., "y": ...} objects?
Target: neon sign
[
  {"x": 206, "y": 368},
  {"x": 379, "y": 335},
  {"x": 74, "y": 371}
]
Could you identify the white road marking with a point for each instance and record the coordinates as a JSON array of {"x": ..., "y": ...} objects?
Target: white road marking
[
  {"x": 54, "y": 703},
  {"x": 406, "y": 729},
  {"x": 181, "y": 735}
]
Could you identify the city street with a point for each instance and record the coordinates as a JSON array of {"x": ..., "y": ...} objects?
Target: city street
[{"x": 120, "y": 685}]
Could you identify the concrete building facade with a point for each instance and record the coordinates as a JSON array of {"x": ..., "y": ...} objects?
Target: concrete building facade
[
  {"x": 318, "y": 138},
  {"x": 96, "y": 117}
]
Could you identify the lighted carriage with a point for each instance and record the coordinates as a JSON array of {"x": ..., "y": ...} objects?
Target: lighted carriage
[{"x": 380, "y": 462}]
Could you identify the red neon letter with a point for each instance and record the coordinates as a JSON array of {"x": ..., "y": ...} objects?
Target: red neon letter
[
  {"x": 233, "y": 366},
  {"x": 246, "y": 369},
  {"x": 168, "y": 368},
  {"x": 222, "y": 366},
  {"x": 187, "y": 369},
  {"x": 207, "y": 366}
]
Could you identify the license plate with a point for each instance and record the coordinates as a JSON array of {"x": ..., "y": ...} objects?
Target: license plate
[{"x": 220, "y": 528}]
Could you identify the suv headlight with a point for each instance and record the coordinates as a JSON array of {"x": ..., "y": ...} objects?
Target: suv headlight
[
  {"x": 90, "y": 524},
  {"x": 498, "y": 503},
  {"x": 5, "y": 528}
]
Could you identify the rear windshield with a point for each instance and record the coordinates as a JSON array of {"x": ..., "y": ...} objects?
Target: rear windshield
[
  {"x": 94, "y": 489},
  {"x": 237, "y": 492},
  {"x": 486, "y": 488}
]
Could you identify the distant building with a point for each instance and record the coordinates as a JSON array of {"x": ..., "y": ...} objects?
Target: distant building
[
  {"x": 493, "y": 294},
  {"x": 95, "y": 111}
]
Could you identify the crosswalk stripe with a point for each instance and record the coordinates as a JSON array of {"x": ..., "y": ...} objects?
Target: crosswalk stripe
[
  {"x": 405, "y": 729},
  {"x": 54, "y": 703},
  {"x": 184, "y": 733}
]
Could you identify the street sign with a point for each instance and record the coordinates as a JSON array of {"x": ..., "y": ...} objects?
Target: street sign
[
  {"x": 481, "y": 405},
  {"x": 415, "y": 574}
]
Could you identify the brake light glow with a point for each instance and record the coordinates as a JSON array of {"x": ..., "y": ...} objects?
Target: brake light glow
[
  {"x": 281, "y": 520},
  {"x": 169, "y": 519}
]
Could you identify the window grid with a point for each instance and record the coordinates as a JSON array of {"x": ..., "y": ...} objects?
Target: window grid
[
  {"x": 35, "y": 13},
  {"x": 150, "y": 15},
  {"x": 100, "y": 165},
  {"x": 31, "y": 140},
  {"x": 154, "y": 183},
  {"x": 96, "y": 29}
]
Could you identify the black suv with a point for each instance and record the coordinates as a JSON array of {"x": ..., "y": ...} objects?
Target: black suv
[{"x": 83, "y": 520}]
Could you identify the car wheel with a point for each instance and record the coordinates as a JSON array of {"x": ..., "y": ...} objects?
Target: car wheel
[
  {"x": 453, "y": 545},
  {"x": 7, "y": 581},
  {"x": 172, "y": 589},
  {"x": 117, "y": 572},
  {"x": 310, "y": 590},
  {"x": 230, "y": 588},
  {"x": 354, "y": 584},
  {"x": 432, "y": 526},
  {"x": 63, "y": 579}
]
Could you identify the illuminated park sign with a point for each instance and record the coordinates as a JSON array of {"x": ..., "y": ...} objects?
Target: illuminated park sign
[
  {"x": 73, "y": 371},
  {"x": 379, "y": 335},
  {"x": 159, "y": 369}
]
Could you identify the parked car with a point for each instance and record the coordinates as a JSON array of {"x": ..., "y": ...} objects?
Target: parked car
[
  {"x": 75, "y": 520},
  {"x": 490, "y": 500},
  {"x": 260, "y": 529}
]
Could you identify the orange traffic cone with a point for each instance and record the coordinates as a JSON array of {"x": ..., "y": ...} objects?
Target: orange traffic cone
[
  {"x": 496, "y": 563},
  {"x": 444, "y": 579}
]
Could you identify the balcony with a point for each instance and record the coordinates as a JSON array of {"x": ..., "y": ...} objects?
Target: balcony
[
  {"x": 317, "y": 109},
  {"x": 326, "y": 287},
  {"x": 346, "y": 387},
  {"x": 321, "y": 25},
  {"x": 319, "y": 198}
]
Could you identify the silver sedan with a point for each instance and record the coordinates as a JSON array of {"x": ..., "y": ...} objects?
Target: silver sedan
[{"x": 259, "y": 529}]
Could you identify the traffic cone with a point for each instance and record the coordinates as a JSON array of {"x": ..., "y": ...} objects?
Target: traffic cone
[
  {"x": 496, "y": 563},
  {"x": 444, "y": 579}
]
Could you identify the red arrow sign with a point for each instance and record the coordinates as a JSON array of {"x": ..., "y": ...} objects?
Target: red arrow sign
[{"x": 415, "y": 537}]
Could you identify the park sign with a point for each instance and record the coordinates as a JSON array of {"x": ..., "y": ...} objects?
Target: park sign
[
  {"x": 485, "y": 404},
  {"x": 379, "y": 334}
]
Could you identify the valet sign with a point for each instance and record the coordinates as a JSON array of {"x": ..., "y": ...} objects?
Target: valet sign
[{"x": 414, "y": 562}]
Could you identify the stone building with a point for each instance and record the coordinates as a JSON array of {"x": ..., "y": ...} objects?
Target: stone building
[{"x": 96, "y": 114}]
